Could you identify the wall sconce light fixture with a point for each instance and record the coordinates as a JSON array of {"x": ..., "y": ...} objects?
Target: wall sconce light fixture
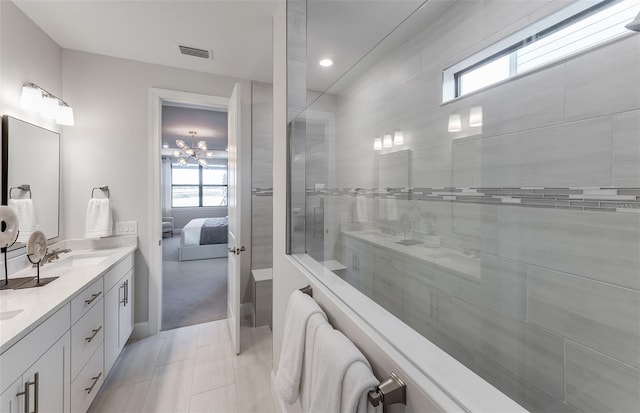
[
  {"x": 398, "y": 138},
  {"x": 37, "y": 99},
  {"x": 387, "y": 141},
  {"x": 455, "y": 123},
  {"x": 475, "y": 116},
  {"x": 377, "y": 144}
]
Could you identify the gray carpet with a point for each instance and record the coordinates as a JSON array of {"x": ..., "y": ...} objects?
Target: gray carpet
[{"x": 193, "y": 292}]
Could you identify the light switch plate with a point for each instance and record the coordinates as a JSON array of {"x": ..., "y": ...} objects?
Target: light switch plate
[{"x": 127, "y": 228}]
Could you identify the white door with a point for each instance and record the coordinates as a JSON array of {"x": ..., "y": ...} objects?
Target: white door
[{"x": 234, "y": 242}]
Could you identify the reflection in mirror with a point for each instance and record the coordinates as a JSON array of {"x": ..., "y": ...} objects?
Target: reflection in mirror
[{"x": 31, "y": 176}]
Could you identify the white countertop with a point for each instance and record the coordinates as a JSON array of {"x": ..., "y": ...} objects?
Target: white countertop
[
  {"x": 21, "y": 311},
  {"x": 447, "y": 259}
]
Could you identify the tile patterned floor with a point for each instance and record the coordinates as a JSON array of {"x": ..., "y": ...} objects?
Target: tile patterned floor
[{"x": 191, "y": 369}]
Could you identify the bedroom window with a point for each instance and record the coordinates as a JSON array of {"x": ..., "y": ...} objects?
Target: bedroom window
[{"x": 197, "y": 186}]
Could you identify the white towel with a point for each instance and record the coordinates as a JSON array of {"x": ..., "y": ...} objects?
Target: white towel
[
  {"x": 361, "y": 209},
  {"x": 334, "y": 355},
  {"x": 26, "y": 217},
  {"x": 315, "y": 321},
  {"x": 357, "y": 383},
  {"x": 99, "y": 221},
  {"x": 299, "y": 310}
]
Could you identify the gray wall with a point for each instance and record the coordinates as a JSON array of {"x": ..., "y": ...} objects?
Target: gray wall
[
  {"x": 262, "y": 176},
  {"x": 554, "y": 320},
  {"x": 109, "y": 143}
]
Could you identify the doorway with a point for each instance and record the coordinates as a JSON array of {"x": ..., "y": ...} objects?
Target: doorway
[{"x": 194, "y": 164}]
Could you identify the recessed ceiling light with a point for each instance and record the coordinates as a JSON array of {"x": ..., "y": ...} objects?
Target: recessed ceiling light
[{"x": 326, "y": 62}]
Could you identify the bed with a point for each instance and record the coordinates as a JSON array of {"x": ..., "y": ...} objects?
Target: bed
[{"x": 204, "y": 238}]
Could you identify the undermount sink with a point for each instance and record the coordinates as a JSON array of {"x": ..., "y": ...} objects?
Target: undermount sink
[
  {"x": 75, "y": 261},
  {"x": 409, "y": 242},
  {"x": 5, "y": 315}
]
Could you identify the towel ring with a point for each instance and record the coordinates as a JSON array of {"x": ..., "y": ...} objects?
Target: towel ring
[
  {"x": 104, "y": 188},
  {"x": 24, "y": 187}
]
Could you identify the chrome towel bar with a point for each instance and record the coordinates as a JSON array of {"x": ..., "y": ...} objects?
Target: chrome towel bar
[{"x": 391, "y": 391}]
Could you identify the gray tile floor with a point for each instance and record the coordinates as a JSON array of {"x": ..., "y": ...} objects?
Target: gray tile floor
[{"x": 191, "y": 369}]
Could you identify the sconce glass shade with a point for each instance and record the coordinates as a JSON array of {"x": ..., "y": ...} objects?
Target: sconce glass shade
[
  {"x": 182, "y": 161},
  {"x": 387, "y": 142},
  {"x": 635, "y": 24},
  {"x": 49, "y": 108},
  {"x": 455, "y": 123},
  {"x": 189, "y": 151},
  {"x": 202, "y": 145},
  {"x": 398, "y": 138},
  {"x": 202, "y": 162},
  {"x": 475, "y": 116},
  {"x": 377, "y": 144},
  {"x": 31, "y": 98},
  {"x": 65, "y": 116},
  {"x": 180, "y": 143}
]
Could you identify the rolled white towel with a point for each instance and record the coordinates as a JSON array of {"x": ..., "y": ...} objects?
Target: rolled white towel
[
  {"x": 99, "y": 222},
  {"x": 25, "y": 211}
]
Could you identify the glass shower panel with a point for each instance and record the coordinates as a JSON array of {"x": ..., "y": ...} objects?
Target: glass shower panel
[{"x": 502, "y": 226}]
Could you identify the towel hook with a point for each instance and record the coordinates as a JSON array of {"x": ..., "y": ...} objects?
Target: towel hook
[
  {"x": 391, "y": 391},
  {"x": 23, "y": 187},
  {"x": 307, "y": 290},
  {"x": 104, "y": 188}
]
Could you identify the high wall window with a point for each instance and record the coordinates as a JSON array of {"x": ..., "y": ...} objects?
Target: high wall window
[
  {"x": 198, "y": 186},
  {"x": 573, "y": 30}
]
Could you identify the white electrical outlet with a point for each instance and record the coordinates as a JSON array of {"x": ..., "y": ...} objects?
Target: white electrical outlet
[{"x": 127, "y": 228}]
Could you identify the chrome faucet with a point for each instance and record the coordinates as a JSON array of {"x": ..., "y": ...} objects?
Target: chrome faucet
[{"x": 53, "y": 255}]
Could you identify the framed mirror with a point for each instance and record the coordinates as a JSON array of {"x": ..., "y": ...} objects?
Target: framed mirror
[{"x": 31, "y": 177}]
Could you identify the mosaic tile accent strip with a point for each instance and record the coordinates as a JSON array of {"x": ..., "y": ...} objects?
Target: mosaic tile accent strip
[{"x": 609, "y": 199}]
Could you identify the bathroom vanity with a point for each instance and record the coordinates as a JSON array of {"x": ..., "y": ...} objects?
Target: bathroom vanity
[{"x": 58, "y": 342}]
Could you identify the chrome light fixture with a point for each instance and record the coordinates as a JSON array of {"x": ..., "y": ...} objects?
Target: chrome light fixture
[
  {"x": 37, "y": 99},
  {"x": 635, "y": 24},
  {"x": 198, "y": 151}
]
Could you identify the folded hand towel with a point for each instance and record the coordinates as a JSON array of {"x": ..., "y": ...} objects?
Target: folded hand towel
[
  {"x": 361, "y": 209},
  {"x": 26, "y": 217},
  {"x": 99, "y": 221},
  {"x": 334, "y": 354},
  {"x": 299, "y": 310}
]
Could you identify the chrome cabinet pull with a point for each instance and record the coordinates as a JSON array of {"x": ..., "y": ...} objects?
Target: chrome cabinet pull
[
  {"x": 95, "y": 381},
  {"x": 126, "y": 293},
  {"x": 93, "y": 298},
  {"x": 95, "y": 332},
  {"x": 122, "y": 287},
  {"x": 37, "y": 395}
]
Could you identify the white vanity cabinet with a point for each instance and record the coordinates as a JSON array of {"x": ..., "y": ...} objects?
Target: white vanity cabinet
[
  {"x": 118, "y": 310},
  {"x": 35, "y": 371}
]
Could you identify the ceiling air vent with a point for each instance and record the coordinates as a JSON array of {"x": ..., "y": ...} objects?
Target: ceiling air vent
[{"x": 192, "y": 51}]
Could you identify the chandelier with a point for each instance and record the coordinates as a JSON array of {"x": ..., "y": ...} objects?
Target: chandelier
[{"x": 198, "y": 151}]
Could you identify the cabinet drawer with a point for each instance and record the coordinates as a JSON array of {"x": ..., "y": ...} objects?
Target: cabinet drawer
[
  {"x": 86, "y": 336},
  {"x": 86, "y": 300},
  {"x": 85, "y": 387},
  {"x": 117, "y": 272}
]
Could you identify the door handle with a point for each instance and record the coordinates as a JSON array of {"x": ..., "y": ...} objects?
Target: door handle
[
  {"x": 239, "y": 250},
  {"x": 25, "y": 393},
  {"x": 232, "y": 250}
]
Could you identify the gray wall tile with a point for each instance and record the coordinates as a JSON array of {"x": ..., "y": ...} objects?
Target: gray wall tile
[
  {"x": 596, "y": 383},
  {"x": 626, "y": 149},
  {"x": 597, "y": 245},
  {"x": 601, "y": 316},
  {"x": 596, "y": 89},
  {"x": 526, "y": 349}
]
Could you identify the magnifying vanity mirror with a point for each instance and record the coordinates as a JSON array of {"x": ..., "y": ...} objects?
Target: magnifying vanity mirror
[{"x": 31, "y": 170}]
